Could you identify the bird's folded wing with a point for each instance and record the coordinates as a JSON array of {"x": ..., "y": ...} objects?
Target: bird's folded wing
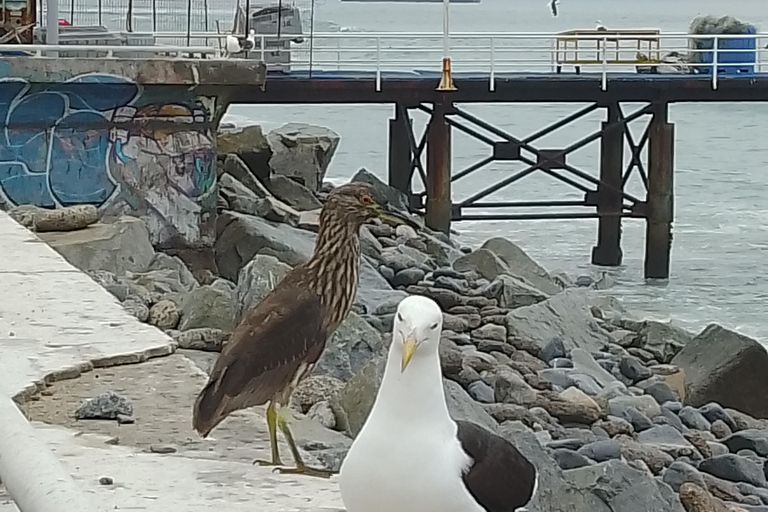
[
  {"x": 274, "y": 340},
  {"x": 500, "y": 478}
]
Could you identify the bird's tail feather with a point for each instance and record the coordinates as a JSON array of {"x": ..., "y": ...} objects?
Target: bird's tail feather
[{"x": 206, "y": 414}]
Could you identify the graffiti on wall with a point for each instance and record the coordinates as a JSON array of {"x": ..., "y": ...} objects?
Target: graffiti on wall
[{"x": 104, "y": 140}]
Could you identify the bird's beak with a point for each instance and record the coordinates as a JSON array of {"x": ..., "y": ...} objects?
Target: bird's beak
[
  {"x": 409, "y": 348},
  {"x": 388, "y": 214}
]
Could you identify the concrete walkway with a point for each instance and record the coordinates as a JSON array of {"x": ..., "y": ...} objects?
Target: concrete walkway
[{"x": 60, "y": 328}]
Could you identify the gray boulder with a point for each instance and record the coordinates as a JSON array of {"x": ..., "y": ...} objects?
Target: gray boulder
[
  {"x": 512, "y": 292},
  {"x": 103, "y": 246},
  {"x": 302, "y": 152},
  {"x": 661, "y": 339},
  {"x": 292, "y": 193},
  {"x": 624, "y": 489},
  {"x": 726, "y": 367},
  {"x": 354, "y": 344},
  {"x": 208, "y": 306},
  {"x": 242, "y": 236},
  {"x": 249, "y": 145},
  {"x": 162, "y": 261},
  {"x": 507, "y": 258},
  {"x": 242, "y": 199},
  {"x": 566, "y": 315},
  {"x": 67, "y": 218}
]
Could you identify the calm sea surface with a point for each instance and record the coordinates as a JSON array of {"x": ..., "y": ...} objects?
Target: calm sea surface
[{"x": 720, "y": 248}]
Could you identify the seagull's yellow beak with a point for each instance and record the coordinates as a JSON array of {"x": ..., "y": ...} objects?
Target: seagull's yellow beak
[{"x": 409, "y": 348}]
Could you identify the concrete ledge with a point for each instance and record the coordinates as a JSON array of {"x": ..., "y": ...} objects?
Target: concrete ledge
[
  {"x": 150, "y": 71},
  {"x": 56, "y": 322},
  {"x": 153, "y": 482}
]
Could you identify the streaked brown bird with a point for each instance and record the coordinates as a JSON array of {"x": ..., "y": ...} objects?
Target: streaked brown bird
[{"x": 278, "y": 341}]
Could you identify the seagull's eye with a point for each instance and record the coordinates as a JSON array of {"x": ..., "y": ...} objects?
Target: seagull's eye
[
  {"x": 366, "y": 200},
  {"x": 433, "y": 326},
  {"x": 399, "y": 317}
]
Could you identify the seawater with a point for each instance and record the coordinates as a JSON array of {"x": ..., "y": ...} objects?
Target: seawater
[{"x": 720, "y": 248}]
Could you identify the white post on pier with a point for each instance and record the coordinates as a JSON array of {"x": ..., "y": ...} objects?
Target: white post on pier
[
  {"x": 446, "y": 81},
  {"x": 52, "y": 25}
]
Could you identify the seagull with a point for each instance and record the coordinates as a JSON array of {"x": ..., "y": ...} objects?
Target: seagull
[
  {"x": 553, "y": 6},
  {"x": 236, "y": 44},
  {"x": 600, "y": 26},
  {"x": 410, "y": 455}
]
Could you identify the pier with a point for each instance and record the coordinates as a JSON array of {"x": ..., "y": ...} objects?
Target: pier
[{"x": 403, "y": 70}]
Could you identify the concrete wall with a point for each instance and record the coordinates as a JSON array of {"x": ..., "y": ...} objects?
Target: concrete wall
[
  {"x": 135, "y": 139},
  {"x": 113, "y": 146}
]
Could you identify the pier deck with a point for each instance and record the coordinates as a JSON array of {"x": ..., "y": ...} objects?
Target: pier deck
[{"x": 607, "y": 72}]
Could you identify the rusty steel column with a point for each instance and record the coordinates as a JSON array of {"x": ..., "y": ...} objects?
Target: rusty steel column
[
  {"x": 608, "y": 249},
  {"x": 400, "y": 151},
  {"x": 661, "y": 197},
  {"x": 439, "y": 202}
]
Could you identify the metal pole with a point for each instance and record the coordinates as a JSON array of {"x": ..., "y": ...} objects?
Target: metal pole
[
  {"x": 52, "y": 24},
  {"x": 311, "y": 35},
  {"x": 446, "y": 82},
  {"x": 247, "y": 18},
  {"x": 247, "y": 29},
  {"x": 189, "y": 21},
  {"x": 101, "y": 7},
  {"x": 154, "y": 15}
]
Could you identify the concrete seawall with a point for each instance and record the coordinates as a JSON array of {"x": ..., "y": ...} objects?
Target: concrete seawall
[
  {"x": 125, "y": 135},
  {"x": 55, "y": 324}
]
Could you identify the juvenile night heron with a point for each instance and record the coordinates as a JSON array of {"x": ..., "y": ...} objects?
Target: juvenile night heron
[
  {"x": 278, "y": 342},
  {"x": 410, "y": 455}
]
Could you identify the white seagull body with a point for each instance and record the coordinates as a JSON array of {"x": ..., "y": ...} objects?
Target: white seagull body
[
  {"x": 410, "y": 456},
  {"x": 236, "y": 44}
]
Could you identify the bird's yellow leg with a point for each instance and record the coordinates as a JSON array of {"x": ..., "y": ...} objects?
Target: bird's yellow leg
[
  {"x": 301, "y": 468},
  {"x": 272, "y": 422}
]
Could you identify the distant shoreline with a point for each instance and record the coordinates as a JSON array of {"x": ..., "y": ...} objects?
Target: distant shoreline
[{"x": 417, "y": 1}]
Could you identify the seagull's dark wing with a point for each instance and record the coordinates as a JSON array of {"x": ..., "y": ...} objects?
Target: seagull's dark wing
[
  {"x": 501, "y": 479},
  {"x": 280, "y": 336}
]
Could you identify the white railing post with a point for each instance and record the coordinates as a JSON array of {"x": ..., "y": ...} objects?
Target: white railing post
[
  {"x": 338, "y": 54},
  {"x": 604, "y": 59},
  {"x": 263, "y": 43},
  {"x": 378, "y": 63},
  {"x": 493, "y": 68},
  {"x": 758, "y": 46},
  {"x": 714, "y": 62}
]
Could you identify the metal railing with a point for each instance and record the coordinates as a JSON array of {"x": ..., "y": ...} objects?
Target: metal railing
[
  {"x": 484, "y": 55},
  {"x": 108, "y": 51},
  {"x": 494, "y": 54}
]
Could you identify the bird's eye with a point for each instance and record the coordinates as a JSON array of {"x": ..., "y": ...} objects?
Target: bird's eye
[
  {"x": 366, "y": 200},
  {"x": 399, "y": 317},
  {"x": 433, "y": 326}
]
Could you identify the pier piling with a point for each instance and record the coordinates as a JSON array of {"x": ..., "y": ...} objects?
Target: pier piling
[
  {"x": 609, "y": 199},
  {"x": 439, "y": 206},
  {"x": 400, "y": 168},
  {"x": 660, "y": 202}
]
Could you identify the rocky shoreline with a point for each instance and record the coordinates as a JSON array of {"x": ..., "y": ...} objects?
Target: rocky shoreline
[{"x": 618, "y": 413}]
